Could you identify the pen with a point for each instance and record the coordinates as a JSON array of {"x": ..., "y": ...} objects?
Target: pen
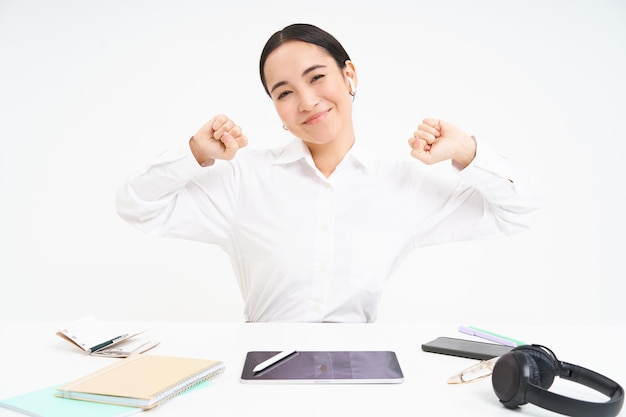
[
  {"x": 107, "y": 343},
  {"x": 487, "y": 335},
  {"x": 274, "y": 359}
]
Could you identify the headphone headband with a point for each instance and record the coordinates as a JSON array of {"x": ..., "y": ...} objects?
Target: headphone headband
[{"x": 579, "y": 408}]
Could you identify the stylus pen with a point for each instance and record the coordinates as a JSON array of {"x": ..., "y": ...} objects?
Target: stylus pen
[
  {"x": 274, "y": 359},
  {"x": 487, "y": 335}
]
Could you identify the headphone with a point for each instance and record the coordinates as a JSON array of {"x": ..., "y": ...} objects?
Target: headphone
[
  {"x": 524, "y": 375},
  {"x": 352, "y": 87}
]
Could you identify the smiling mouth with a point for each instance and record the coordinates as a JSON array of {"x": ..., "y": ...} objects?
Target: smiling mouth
[{"x": 316, "y": 118}]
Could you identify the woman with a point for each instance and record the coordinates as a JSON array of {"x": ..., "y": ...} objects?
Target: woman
[{"x": 314, "y": 228}]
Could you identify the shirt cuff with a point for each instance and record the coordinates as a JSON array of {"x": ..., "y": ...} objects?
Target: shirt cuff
[
  {"x": 179, "y": 161},
  {"x": 486, "y": 164}
]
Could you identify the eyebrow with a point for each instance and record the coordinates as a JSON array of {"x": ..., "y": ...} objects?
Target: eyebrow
[{"x": 305, "y": 72}]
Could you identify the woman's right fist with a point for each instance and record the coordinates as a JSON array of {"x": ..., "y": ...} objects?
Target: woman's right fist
[{"x": 219, "y": 138}]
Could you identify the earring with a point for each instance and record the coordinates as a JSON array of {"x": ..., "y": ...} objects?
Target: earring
[{"x": 285, "y": 127}]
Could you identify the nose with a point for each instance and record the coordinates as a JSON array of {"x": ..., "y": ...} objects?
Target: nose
[{"x": 308, "y": 99}]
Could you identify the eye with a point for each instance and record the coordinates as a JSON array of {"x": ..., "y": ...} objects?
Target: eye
[
  {"x": 317, "y": 77},
  {"x": 283, "y": 94}
]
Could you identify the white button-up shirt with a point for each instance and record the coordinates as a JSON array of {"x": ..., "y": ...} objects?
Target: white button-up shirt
[{"x": 308, "y": 248}]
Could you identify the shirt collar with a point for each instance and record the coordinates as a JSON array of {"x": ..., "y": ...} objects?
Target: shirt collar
[
  {"x": 292, "y": 152},
  {"x": 362, "y": 155},
  {"x": 297, "y": 150}
]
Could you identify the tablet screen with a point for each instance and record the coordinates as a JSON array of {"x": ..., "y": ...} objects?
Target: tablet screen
[{"x": 325, "y": 367}]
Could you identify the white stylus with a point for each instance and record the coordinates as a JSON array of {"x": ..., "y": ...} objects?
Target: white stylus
[{"x": 274, "y": 359}]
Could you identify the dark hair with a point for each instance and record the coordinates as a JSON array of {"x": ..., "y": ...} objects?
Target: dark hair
[{"x": 306, "y": 33}]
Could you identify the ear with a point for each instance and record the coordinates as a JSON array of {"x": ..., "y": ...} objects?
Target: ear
[{"x": 349, "y": 71}]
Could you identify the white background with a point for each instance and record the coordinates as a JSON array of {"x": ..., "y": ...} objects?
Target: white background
[{"x": 89, "y": 90}]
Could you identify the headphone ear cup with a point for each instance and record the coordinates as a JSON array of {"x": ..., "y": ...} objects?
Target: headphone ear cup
[
  {"x": 534, "y": 373},
  {"x": 542, "y": 365},
  {"x": 507, "y": 379},
  {"x": 522, "y": 366}
]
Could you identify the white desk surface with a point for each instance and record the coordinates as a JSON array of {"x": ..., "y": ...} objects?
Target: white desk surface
[{"x": 33, "y": 357}]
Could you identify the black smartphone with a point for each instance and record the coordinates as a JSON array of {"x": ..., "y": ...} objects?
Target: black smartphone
[{"x": 465, "y": 348}]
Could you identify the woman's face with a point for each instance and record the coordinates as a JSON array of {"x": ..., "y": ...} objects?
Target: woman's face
[{"x": 310, "y": 92}]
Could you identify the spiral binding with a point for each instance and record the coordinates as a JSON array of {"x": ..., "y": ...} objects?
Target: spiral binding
[{"x": 175, "y": 390}]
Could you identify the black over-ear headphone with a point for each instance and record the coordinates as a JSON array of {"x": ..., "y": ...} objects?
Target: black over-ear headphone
[{"x": 524, "y": 375}]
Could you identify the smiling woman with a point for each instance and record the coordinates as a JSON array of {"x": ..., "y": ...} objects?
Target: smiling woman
[
  {"x": 315, "y": 228},
  {"x": 311, "y": 94}
]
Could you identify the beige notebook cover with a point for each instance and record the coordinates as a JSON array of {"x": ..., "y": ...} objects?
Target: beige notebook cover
[{"x": 141, "y": 380}]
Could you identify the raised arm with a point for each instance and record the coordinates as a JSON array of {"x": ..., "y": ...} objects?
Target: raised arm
[{"x": 176, "y": 196}]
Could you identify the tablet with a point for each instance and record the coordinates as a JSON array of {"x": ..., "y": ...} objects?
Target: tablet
[{"x": 348, "y": 367}]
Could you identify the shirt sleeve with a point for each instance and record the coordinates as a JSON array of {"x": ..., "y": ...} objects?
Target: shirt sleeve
[
  {"x": 493, "y": 196},
  {"x": 175, "y": 197},
  {"x": 511, "y": 191}
]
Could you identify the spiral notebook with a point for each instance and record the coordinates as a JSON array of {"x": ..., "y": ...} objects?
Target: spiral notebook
[{"x": 143, "y": 381}]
